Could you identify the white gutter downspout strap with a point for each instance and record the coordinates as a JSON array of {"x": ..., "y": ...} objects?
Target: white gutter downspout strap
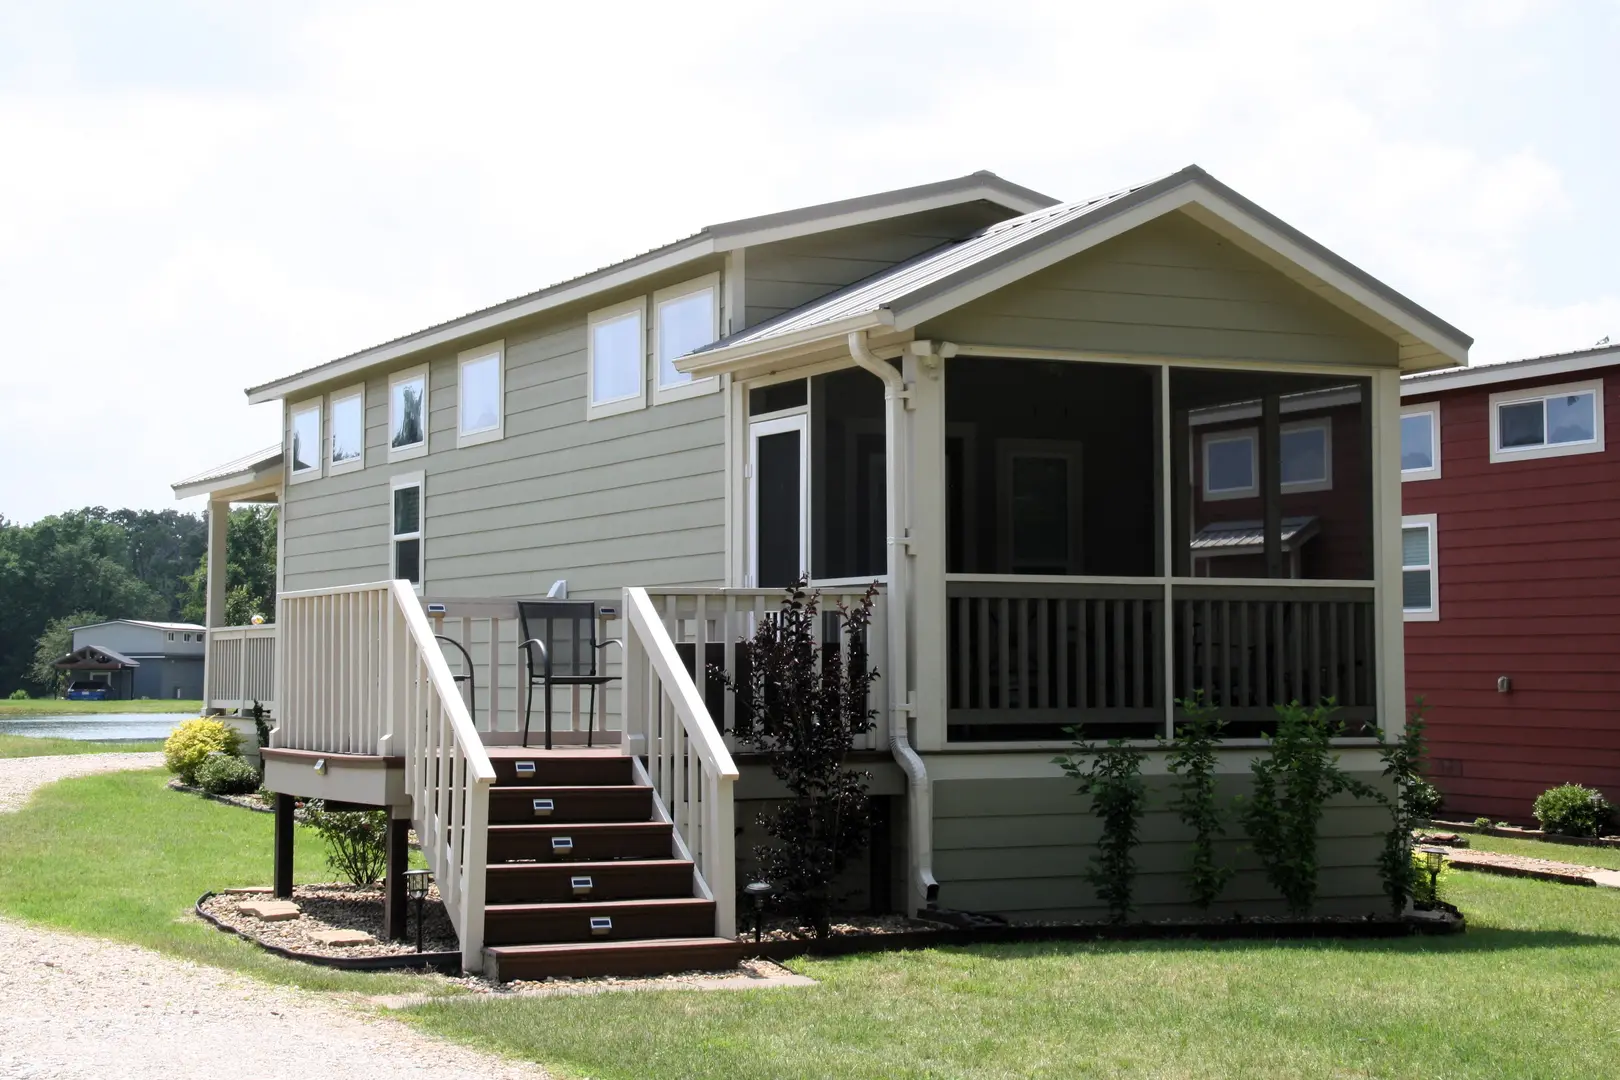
[{"x": 896, "y": 441}]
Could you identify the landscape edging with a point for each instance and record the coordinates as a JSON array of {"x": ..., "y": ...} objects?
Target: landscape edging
[
  {"x": 1513, "y": 832},
  {"x": 438, "y": 961}
]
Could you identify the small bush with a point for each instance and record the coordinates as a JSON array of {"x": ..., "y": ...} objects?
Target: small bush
[
  {"x": 1112, "y": 776},
  {"x": 356, "y": 840},
  {"x": 19, "y": 695},
  {"x": 190, "y": 744},
  {"x": 1573, "y": 810},
  {"x": 222, "y": 774},
  {"x": 1425, "y": 799},
  {"x": 1482, "y": 822}
]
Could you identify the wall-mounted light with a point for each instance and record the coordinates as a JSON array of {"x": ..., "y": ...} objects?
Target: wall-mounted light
[
  {"x": 1503, "y": 684},
  {"x": 320, "y": 767}
]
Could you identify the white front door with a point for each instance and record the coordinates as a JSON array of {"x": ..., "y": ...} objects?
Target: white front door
[{"x": 779, "y": 500}]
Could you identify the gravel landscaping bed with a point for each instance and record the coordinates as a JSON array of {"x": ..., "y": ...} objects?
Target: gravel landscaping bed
[
  {"x": 254, "y": 801},
  {"x": 335, "y": 907}
]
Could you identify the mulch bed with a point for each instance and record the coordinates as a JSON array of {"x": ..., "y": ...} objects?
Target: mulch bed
[{"x": 334, "y": 907}]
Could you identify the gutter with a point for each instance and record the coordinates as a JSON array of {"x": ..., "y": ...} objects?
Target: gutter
[{"x": 921, "y": 884}]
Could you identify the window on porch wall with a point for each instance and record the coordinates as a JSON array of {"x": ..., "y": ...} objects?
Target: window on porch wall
[{"x": 1057, "y": 472}]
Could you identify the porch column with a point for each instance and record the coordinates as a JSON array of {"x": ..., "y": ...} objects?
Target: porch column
[
  {"x": 1390, "y": 639},
  {"x": 284, "y": 846},
  {"x": 926, "y": 512},
  {"x": 1271, "y": 483},
  {"x": 219, "y": 518},
  {"x": 398, "y": 861}
]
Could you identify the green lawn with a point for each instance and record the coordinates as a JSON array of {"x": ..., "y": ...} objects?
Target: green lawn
[
  {"x": 1579, "y": 854},
  {"x": 121, "y": 856},
  {"x": 1532, "y": 990},
  {"x": 14, "y": 746},
  {"x": 57, "y": 707}
]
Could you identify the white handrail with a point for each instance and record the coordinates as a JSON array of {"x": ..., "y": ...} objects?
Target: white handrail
[
  {"x": 691, "y": 770},
  {"x": 360, "y": 673}
]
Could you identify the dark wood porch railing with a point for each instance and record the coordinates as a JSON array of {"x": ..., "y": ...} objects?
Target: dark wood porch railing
[
  {"x": 1030, "y": 658},
  {"x": 1041, "y": 655},
  {"x": 1249, "y": 648}
]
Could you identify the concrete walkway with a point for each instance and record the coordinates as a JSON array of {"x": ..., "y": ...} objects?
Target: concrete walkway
[{"x": 81, "y": 1007}]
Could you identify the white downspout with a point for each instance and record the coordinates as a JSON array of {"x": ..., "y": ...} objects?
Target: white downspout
[{"x": 920, "y": 816}]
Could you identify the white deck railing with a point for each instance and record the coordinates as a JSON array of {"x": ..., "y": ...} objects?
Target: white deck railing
[
  {"x": 241, "y": 667},
  {"x": 687, "y": 762},
  {"x": 713, "y": 621},
  {"x": 361, "y": 673}
]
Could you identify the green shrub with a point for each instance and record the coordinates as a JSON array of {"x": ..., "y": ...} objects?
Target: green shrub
[
  {"x": 1482, "y": 822},
  {"x": 1573, "y": 810},
  {"x": 1112, "y": 776},
  {"x": 19, "y": 694},
  {"x": 190, "y": 744},
  {"x": 222, "y": 774},
  {"x": 356, "y": 840},
  {"x": 1192, "y": 758},
  {"x": 1425, "y": 799}
]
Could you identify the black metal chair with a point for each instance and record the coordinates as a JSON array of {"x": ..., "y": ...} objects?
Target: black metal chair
[
  {"x": 560, "y": 649},
  {"x": 466, "y": 675}
]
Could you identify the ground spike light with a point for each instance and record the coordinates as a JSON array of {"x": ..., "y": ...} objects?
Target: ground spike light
[
  {"x": 757, "y": 892},
  {"x": 416, "y": 887},
  {"x": 1434, "y": 858}
]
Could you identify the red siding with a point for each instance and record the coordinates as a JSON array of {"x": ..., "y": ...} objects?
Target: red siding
[{"x": 1529, "y": 574}]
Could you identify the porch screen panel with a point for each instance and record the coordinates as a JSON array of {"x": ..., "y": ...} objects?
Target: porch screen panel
[{"x": 780, "y": 528}]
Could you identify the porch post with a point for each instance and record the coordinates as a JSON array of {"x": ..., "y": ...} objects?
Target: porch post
[
  {"x": 398, "y": 860},
  {"x": 284, "y": 846},
  {"x": 1390, "y": 633},
  {"x": 1271, "y": 482},
  {"x": 219, "y": 518},
  {"x": 925, "y": 496}
]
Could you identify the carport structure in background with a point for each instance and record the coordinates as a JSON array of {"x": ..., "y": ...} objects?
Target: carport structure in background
[{"x": 100, "y": 665}]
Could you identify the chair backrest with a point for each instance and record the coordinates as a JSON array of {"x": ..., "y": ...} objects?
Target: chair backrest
[{"x": 568, "y": 629}]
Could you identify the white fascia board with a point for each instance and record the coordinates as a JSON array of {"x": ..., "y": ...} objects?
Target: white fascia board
[
  {"x": 907, "y": 317},
  {"x": 881, "y": 212},
  {"x": 729, "y": 359},
  {"x": 1491, "y": 374},
  {"x": 237, "y": 487},
  {"x": 480, "y": 324}
]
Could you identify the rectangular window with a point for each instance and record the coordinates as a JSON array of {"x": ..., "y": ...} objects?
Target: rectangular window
[
  {"x": 348, "y": 425},
  {"x": 406, "y": 527},
  {"x": 407, "y": 414},
  {"x": 1420, "y": 590},
  {"x": 1307, "y": 456},
  {"x": 616, "y": 350},
  {"x": 1420, "y": 442},
  {"x": 305, "y": 455},
  {"x": 1230, "y": 468},
  {"x": 685, "y": 317},
  {"x": 480, "y": 397},
  {"x": 1548, "y": 421}
]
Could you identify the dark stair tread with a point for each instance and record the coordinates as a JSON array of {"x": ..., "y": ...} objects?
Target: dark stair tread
[
  {"x": 627, "y": 945},
  {"x": 601, "y": 907},
  {"x": 635, "y": 956},
  {"x": 538, "y": 828},
  {"x": 606, "y": 866},
  {"x": 536, "y": 790}
]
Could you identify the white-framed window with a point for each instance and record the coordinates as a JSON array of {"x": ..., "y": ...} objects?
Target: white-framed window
[
  {"x": 304, "y": 440},
  {"x": 1420, "y": 441},
  {"x": 615, "y": 359},
  {"x": 1231, "y": 467},
  {"x": 171, "y": 635},
  {"x": 347, "y": 429},
  {"x": 1420, "y": 579},
  {"x": 1307, "y": 455},
  {"x": 408, "y": 413},
  {"x": 1547, "y": 421},
  {"x": 406, "y": 513},
  {"x": 481, "y": 394},
  {"x": 685, "y": 317}
]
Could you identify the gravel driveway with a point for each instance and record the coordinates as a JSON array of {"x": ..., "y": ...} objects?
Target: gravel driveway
[{"x": 80, "y": 1007}]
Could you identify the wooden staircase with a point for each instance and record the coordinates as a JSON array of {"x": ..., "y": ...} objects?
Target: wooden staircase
[{"x": 584, "y": 877}]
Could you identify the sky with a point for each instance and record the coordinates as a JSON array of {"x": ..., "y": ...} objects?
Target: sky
[{"x": 200, "y": 197}]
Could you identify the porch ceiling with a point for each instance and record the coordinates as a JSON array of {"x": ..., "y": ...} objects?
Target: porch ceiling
[{"x": 899, "y": 299}]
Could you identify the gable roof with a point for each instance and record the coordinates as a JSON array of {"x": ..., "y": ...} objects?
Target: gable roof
[
  {"x": 94, "y": 657},
  {"x": 903, "y": 296},
  {"x": 710, "y": 240},
  {"x": 1532, "y": 367}
]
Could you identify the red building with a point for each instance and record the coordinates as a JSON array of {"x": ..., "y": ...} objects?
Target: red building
[{"x": 1511, "y": 548}]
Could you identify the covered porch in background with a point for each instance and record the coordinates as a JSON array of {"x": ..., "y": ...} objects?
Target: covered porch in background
[{"x": 239, "y": 664}]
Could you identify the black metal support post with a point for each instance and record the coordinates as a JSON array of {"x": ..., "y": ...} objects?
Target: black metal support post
[
  {"x": 394, "y": 911},
  {"x": 284, "y": 846}
]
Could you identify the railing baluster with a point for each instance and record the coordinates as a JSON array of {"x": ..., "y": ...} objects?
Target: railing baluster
[
  {"x": 1082, "y": 689},
  {"x": 982, "y": 699},
  {"x": 1062, "y": 642},
  {"x": 1138, "y": 658},
  {"x": 1004, "y": 656},
  {"x": 1099, "y": 643},
  {"x": 1043, "y": 659}
]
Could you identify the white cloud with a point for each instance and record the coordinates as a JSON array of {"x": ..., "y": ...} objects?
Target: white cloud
[{"x": 279, "y": 189}]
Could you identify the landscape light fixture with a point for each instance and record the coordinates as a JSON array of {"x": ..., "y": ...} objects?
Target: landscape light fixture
[
  {"x": 416, "y": 887},
  {"x": 758, "y": 891},
  {"x": 1433, "y": 859}
]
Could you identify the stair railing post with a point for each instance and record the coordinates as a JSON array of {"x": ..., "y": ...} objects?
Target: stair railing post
[
  {"x": 720, "y": 853},
  {"x": 474, "y": 863}
]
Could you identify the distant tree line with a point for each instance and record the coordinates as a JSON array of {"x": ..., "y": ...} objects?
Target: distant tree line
[{"x": 94, "y": 564}]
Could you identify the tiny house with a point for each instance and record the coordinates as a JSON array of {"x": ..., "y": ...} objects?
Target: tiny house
[{"x": 1098, "y": 456}]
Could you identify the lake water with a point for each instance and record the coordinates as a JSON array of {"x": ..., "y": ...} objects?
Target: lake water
[{"x": 100, "y": 727}]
